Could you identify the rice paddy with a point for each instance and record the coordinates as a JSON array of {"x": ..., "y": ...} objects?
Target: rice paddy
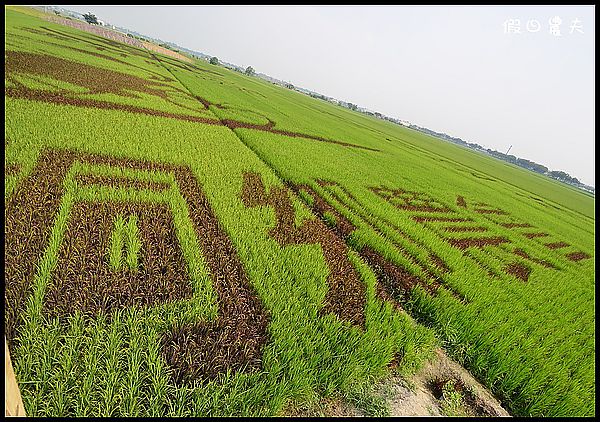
[{"x": 184, "y": 240}]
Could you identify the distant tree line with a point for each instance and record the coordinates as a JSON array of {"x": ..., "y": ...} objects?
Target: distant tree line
[
  {"x": 91, "y": 18},
  {"x": 521, "y": 162}
]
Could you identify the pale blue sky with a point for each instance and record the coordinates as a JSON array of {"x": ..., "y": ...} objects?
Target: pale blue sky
[{"x": 452, "y": 69}]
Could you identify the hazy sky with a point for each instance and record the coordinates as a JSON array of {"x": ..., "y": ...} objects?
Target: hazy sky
[{"x": 452, "y": 69}]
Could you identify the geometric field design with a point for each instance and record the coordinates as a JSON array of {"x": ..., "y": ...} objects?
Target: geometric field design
[
  {"x": 346, "y": 295},
  {"x": 83, "y": 280},
  {"x": 125, "y": 295},
  {"x": 500, "y": 218}
]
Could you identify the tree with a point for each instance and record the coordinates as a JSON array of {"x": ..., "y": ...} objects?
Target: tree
[
  {"x": 91, "y": 18},
  {"x": 561, "y": 175},
  {"x": 249, "y": 71},
  {"x": 214, "y": 60}
]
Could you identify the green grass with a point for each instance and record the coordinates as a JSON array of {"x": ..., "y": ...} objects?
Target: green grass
[{"x": 532, "y": 343}]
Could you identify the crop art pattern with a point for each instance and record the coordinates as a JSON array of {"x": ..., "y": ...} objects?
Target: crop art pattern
[
  {"x": 118, "y": 254},
  {"x": 395, "y": 280},
  {"x": 346, "y": 293},
  {"x": 43, "y": 77},
  {"x": 446, "y": 221},
  {"x": 85, "y": 280}
]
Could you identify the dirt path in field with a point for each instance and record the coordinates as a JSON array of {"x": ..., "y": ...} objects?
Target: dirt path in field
[{"x": 441, "y": 387}]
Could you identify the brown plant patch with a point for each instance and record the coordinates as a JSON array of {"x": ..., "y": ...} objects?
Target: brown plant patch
[
  {"x": 410, "y": 200},
  {"x": 343, "y": 226},
  {"x": 100, "y": 42},
  {"x": 46, "y": 33},
  {"x": 513, "y": 225},
  {"x": 11, "y": 169},
  {"x": 120, "y": 182},
  {"x": 490, "y": 211},
  {"x": 478, "y": 242},
  {"x": 532, "y": 235},
  {"x": 324, "y": 183},
  {"x": 460, "y": 201},
  {"x": 396, "y": 280},
  {"x": 456, "y": 229},
  {"x": 56, "y": 98},
  {"x": 424, "y": 218},
  {"x": 201, "y": 350},
  {"x": 96, "y": 79},
  {"x": 156, "y": 76},
  {"x": 518, "y": 270},
  {"x": 232, "y": 124},
  {"x": 557, "y": 245},
  {"x": 540, "y": 200},
  {"x": 321, "y": 206},
  {"x": 577, "y": 256},
  {"x": 189, "y": 67},
  {"x": 83, "y": 279},
  {"x": 523, "y": 254},
  {"x": 28, "y": 218},
  {"x": 345, "y": 296}
]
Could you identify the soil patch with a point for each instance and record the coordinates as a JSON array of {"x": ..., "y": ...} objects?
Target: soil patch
[
  {"x": 419, "y": 395},
  {"x": 410, "y": 200}
]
